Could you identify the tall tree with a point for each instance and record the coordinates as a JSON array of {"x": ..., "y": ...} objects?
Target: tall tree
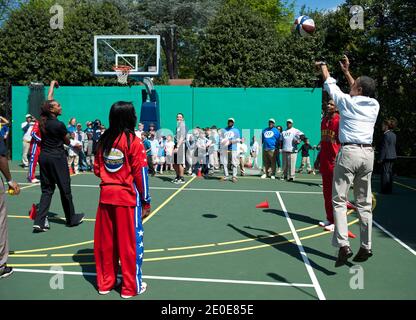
[
  {"x": 280, "y": 13},
  {"x": 30, "y": 50},
  {"x": 176, "y": 21},
  {"x": 238, "y": 50}
]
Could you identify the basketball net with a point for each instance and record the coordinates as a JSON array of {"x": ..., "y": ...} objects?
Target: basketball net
[{"x": 122, "y": 73}]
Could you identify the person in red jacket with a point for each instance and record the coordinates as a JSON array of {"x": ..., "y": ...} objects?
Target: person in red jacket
[
  {"x": 330, "y": 146},
  {"x": 124, "y": 201},
  {"x": 34, "y": 152}
]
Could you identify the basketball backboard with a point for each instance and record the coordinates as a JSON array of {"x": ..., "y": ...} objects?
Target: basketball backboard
[{"x": 140, "y": 52}]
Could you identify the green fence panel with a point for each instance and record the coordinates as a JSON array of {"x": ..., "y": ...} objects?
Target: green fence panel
[{"x": 251, "y": 107}]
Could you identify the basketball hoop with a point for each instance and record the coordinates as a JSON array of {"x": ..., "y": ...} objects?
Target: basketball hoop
[{"x": 122, "y": 73}]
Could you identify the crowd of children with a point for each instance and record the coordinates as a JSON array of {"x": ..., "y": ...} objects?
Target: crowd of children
[{"x": 202, "y": 149}]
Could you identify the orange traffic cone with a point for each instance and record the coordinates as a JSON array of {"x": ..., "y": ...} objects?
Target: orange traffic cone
[
  {"x": 263, "y": 205},
  {"x": 351, "y": 235},
  {"x": 33, "y": 212},
  {"x": 71, "y": 171},
  {"x": 199, "y": 174}
]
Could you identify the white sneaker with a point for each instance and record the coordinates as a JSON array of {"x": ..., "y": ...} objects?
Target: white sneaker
[
  {"x": 264, "y": 176},
  {"x": 118, "y": 283},
  {"x": 272, "y": 177},
  {"x": 324, "y": 223},
  {"x": 330, "y": 228},
  {"x": 35, "y": 180},
  {"x": 142, "y": 290},
  {"x": 279, "y": 171}
]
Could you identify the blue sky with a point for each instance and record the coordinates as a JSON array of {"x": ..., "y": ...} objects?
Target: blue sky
[{"x": 317, "y": 4}]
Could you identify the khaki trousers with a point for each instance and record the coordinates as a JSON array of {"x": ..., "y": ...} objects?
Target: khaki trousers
[
  {"x": 306, "y": 163},
  {"x": 230, "y": 157},
  {"x": 289, "y": 164},
  {"x": 354, "y": 164},
  {"x": 242, "y": 163},
  {"x": 269, "y": 161},
  {"x": 25, "y": 152},
  {"x": 73, "y": 160}
]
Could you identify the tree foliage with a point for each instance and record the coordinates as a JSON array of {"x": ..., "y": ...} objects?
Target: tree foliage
[
  {"x": 237, "y": 50},
  {"x": 30, "y": 50},
  {"x": 230, "y": 43},
  {"x": 279, "y": 13},
  {"x": 178, "y": 22}
]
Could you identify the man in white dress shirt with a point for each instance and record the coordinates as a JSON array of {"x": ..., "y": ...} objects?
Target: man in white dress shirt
[{"x": 354, "y": 164}]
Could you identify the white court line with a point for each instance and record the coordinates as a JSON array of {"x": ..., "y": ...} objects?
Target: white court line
[
  {"x": 305, "y": 258},
  {"x": 92, "y": 274},
  {"x": 395, "y": 238}
]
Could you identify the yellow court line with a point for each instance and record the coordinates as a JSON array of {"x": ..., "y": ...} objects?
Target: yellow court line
[
  {"x": 192, "y": 247},
  {"x": 177, "y": 248},
  {"x": 55, "y": 248},
  {"x": 64, "y": 264},
  {"x": 72, "y": 255},
  {"x": 92, "y": 241},
  {"x": 242, "y": 249},
  {"x": 50, "y": 218},
  {"x": 28, "y": 255},
  {"x": 404, "y": 185},
  {"x": 186, "y": 256},
  {"x": 200, "y": 254},
  {"x": 167, "y": 200},
  {"x": 38, "y": 184},
  {"x": 91, "y": 254}
]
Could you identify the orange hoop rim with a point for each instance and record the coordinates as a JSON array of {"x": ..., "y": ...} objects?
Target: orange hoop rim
[{"x": 122, "y": 68}]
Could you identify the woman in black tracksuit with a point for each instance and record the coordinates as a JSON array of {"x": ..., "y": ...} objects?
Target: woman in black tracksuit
[{"x": 54, "y": 167}]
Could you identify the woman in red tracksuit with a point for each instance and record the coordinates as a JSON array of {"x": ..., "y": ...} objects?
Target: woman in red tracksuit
[
  {"x": 124, "y": 201},
  {"x": 35, "y": 144},
  {"x": 330, "y": 146}
]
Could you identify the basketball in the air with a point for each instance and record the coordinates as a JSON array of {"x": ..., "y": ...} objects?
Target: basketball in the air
[{"x": 304, "y": 26}]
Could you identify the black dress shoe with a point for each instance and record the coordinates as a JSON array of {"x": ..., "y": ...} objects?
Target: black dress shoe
[
  {"x": 363, "y": 255},
  {"x": 344, "y": 254}
]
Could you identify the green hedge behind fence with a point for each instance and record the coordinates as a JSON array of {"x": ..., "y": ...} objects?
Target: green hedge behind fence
[{"x": 251, "y": 108}]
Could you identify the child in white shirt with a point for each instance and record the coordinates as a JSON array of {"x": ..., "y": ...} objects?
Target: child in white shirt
[
  {"x": 169, "y": 146},
  {"x": 74, "y": 149}
]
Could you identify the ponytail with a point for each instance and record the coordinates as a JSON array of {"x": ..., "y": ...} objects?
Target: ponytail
[{"x": 45, "y": 114}]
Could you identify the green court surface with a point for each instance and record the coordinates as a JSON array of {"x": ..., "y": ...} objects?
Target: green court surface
[{"x": 206, "y": 240}]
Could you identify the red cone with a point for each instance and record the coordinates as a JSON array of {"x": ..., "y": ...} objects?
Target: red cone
[
  {"x": 199, "y": 173},
  {"x": 263, "y": 205},
  {"x": 33, "y": 212},
  {"x": 351, "y": 235}
]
